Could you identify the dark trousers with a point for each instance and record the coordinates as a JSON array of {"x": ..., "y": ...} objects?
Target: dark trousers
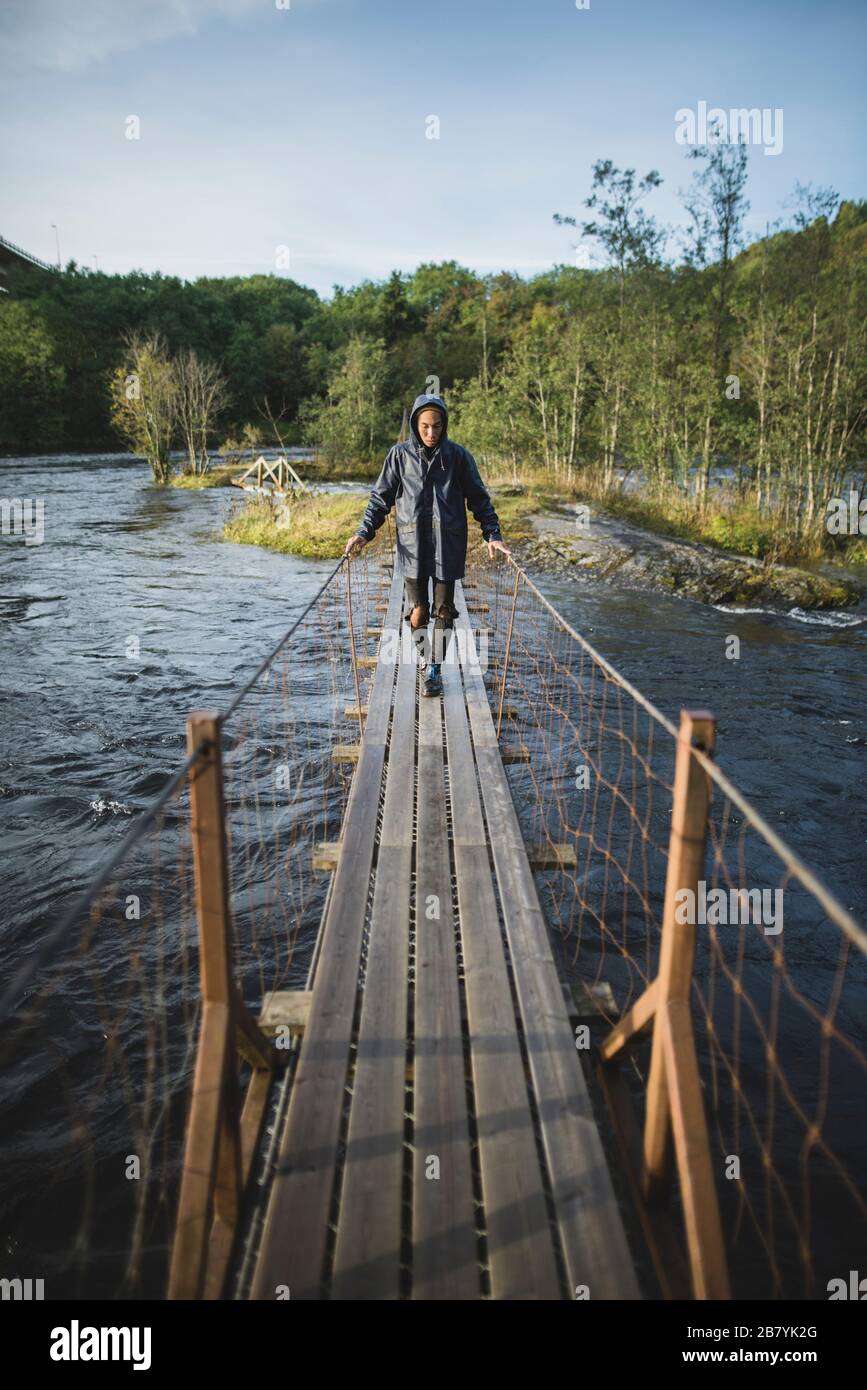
[{"x": 418, "y": 597}]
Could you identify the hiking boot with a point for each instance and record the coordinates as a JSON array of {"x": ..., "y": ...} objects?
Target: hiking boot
[{"x": 433, "y": 684}]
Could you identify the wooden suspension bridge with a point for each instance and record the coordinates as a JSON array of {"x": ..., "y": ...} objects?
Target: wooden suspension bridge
[{"x": 437, "y": 1138}]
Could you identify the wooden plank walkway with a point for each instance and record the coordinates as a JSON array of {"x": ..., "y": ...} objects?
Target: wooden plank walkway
[{"x": 439, "y": 1141}]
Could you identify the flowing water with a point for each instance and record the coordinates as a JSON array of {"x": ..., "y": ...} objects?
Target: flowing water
[{"x": 132, "y": 611}]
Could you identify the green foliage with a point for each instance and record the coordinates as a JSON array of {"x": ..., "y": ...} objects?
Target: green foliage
[
  {"x": 722, "y": 521},
  {"x": 144, "y": 399},
  {"x": 745, "y": 533},
  {"x": 855, "y": 553},
  {"x": 88, "y": 317},
  {"x": 214, "y": 477},
  {"x": 640, "y": 368},
  {"x": 317, "y": 526},
  {"x": 31, "y": 380},
  {"x": 348, "y": 421}
]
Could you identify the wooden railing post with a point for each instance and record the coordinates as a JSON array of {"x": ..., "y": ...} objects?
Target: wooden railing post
[
  {"x": 210, "y": 858},
  {"x": 687, "y": 843},
  {"x": 674, "y": 1102},
  {"x": 352, "y": 648},
  {"x": 211, "y": 1181},
  {"x": 508, "y": 650}
]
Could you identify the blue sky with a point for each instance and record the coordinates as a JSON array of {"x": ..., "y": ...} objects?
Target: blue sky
[{"x": 304, "y": 127}]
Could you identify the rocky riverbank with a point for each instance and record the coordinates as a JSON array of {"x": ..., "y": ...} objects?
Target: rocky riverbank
[
  {"x": 553, "y": 536},
  {"x": 568, "y": 540}
]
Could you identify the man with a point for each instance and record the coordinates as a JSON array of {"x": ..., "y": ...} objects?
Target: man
[{"x": 432, "y": 479}]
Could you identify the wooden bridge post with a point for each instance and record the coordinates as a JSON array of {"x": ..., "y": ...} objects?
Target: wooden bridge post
[
  {"x": 508, "y": 649},
  {"x": 210, "y": 859},
  {"x": 674, "y": 1101},
  {"x": 686, "y": 852},
  {"x": 358, "y": 708},
  {"x": 211, "y": 1181},
  {"x": 674, "y": 1104}
]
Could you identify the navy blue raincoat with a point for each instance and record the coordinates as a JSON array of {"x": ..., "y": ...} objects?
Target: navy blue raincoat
[{"x": 430, "y": 501}]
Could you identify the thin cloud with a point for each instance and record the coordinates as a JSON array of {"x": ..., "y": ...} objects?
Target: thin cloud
[{"x": 54, "y": 35}]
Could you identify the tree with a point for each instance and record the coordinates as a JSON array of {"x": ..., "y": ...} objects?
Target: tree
[
  {"x": 348, "y": 423},
  {"x": 632, "y": 242},
  {"x": 31, "y": 380},
  {"x": 201, "y": 395},
  {"x": 629, "y": 238},
  {"x": 144, "y": 401},
  {"x": 717, "y": 206}
]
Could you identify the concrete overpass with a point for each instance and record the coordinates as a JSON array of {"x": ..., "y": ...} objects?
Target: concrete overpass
[{"x": 10, "y": 254}]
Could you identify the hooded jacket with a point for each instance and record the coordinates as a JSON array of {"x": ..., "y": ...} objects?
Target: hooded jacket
[{"x": 430, "y": 491}]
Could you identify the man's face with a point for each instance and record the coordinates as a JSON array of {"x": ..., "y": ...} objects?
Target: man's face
[{"x": 430, "y": 426}]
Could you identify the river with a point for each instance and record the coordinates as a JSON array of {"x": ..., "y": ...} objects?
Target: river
[{"x": 91, "y": 732}]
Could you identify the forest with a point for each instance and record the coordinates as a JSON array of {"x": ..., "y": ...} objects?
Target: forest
[{"x": 669, "y": 364}]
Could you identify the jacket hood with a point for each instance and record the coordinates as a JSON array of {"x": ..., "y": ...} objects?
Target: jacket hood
[{"x": 427, "y": 403}]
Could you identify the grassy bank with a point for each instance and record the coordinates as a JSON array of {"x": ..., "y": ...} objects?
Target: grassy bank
[
  {"x": 215, "y": 477},
  {"x": 737, "y": 528},
  {"x": 319, "y": 526},
  {"x": 311, "y": 470}
]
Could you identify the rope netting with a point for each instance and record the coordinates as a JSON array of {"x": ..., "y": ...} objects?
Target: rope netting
[
  {"x": 780, "y": 967},
  {"x": 95, "y": 1060},
  {"x": 100, "y": 1017}
]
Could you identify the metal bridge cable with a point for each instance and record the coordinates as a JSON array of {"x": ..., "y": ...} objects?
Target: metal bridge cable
[
  {"x": 834, "y": 910},
  {"x": 787, "y": 856},
  {"x": 263, "y": 665},
  {"x": 85, "y": 898},
  {"x": 600, "y": 660}
]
